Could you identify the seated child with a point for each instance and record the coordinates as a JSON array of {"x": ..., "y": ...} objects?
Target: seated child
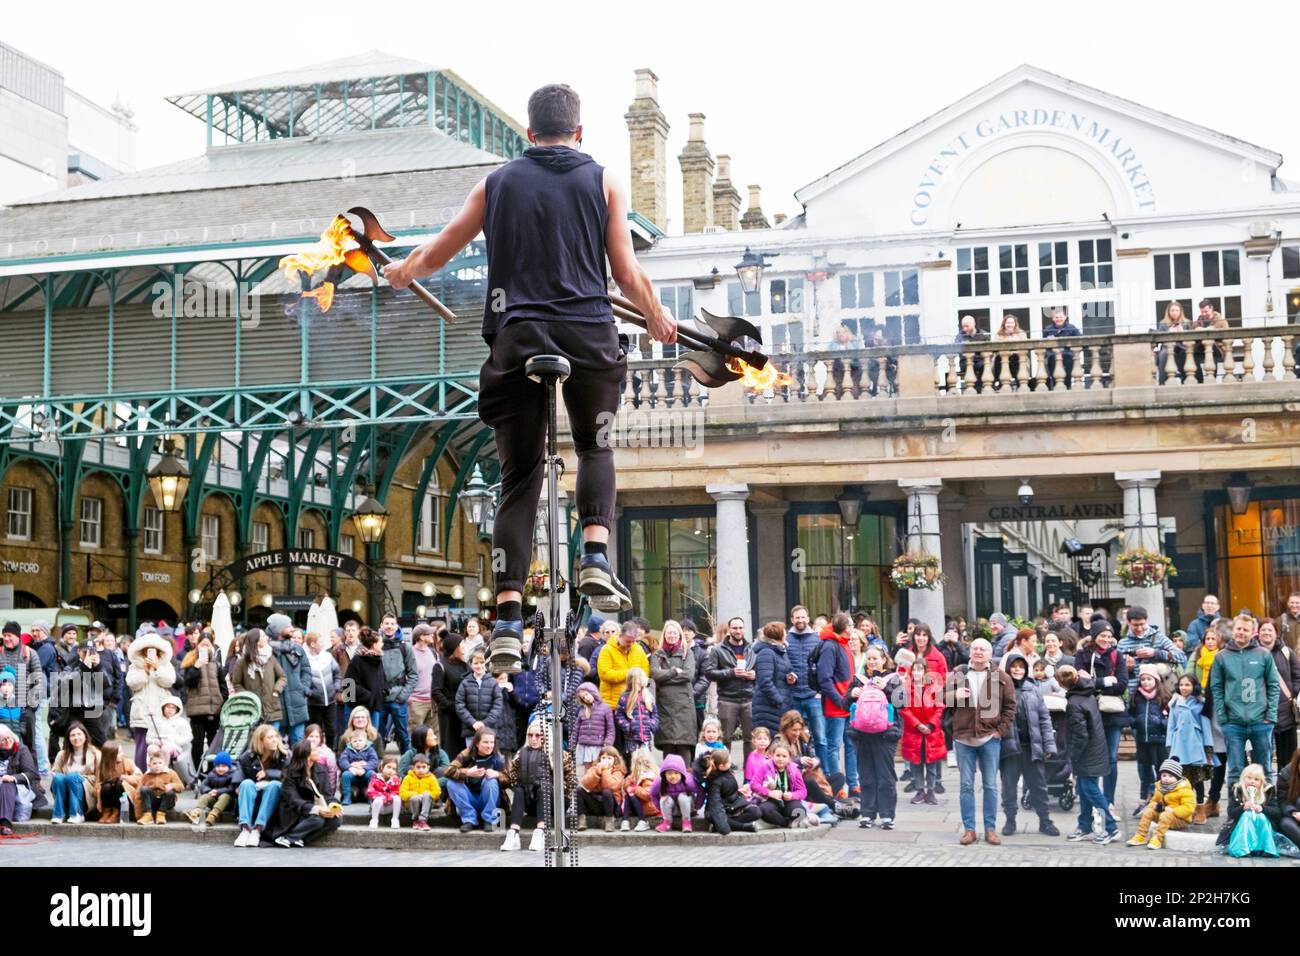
[
  {"x": 357, "y": 764},
  {"x": 674, "y": 792},
  {"x": 419, "y": 790},
  {"x": 601, "y": 790},
  {"x": 159, "y": 787},
  {"x": 218, "y": 787},
  {"x": 384, "y": 793},
  {"x": 1254, "y": 815},
  {"x": 726, "y": 805},
  {"x": 637, "y": 802},
  {"x": 710, "y": 739},
  {"x": 781, "y": 791},
  {"x": 172, "y": 732},
  {"x": 1171, "y": 807}
]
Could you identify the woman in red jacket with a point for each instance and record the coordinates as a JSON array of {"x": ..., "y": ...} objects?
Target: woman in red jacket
[{"x": 923, "y": 747}]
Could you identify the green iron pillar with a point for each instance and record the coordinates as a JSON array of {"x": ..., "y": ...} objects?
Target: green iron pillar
[
  {"x": 374, "y": 595},
  {"x": 131, "y": 536}
]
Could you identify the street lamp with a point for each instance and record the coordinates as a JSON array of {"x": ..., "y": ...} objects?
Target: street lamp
[
  {"x": 850, "y": 502},
  {"x": 479, "y": 500},
  {"x": 370, "y": 520},
  {"x": 750, "y": 270},
  {"x": 169, "y": 479},
  {"x": 484, "y": 595},
  {"x": 427, "y": 589},
  {"x": 457, "y": 592},
  {"x": 1238, "y": 488}
]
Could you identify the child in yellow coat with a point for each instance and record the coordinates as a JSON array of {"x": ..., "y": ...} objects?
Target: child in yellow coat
[
  {"x": 1171, "y": 807},
  {"x": 419, "y": 790}
]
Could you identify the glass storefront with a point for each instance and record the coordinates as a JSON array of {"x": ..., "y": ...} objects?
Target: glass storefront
[
  {"x": 673, "y": 569},
  {"x": 1258, "y": 554},
  {"x": 835, "y": 568}
]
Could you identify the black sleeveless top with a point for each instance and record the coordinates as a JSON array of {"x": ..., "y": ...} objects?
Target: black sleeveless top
[{"x": 545, "y": 223}]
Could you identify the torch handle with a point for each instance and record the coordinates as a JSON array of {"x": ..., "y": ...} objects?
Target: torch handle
[
  {"x": 420, "y": 291},
  {"x": 687, "y": 335}
]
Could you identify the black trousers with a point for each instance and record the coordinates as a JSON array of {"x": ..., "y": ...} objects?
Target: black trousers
[
  {"x": 876, "y": 775},
  {"x": 525, "y": 799},
  {"x": 202, "y": 727},
  {"x": 1013, "y": 768},
  {"x": 515, "y": 408},
  {"x": 325, "y": 715},
  {"x": 155, "y": 801},
  {"x": 780, "y": 813},
  {"x": 598, "y": 804},
  {"x": 1284, "y": 745},
  {"x": 311, "y": 828}
]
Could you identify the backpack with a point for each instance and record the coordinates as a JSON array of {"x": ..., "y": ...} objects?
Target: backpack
[
  {"x": 814, "y": 656},
  {"x": 871, "y": 715}
]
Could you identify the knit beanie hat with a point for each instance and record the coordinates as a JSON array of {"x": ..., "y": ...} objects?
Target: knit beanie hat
[
  {"x": 998, "y": 618},
  {"x": 13, "y": 627},
  {"x": 8, "y": 675},
  {"x": 1173, "y": 768},
  {"x": 276, "y": 624},
  {"x": 904, "y": 659},
  {"x": 450, "y": 642},
  {"x": 1152, "y": 669},
  {"x": 222, "y": 760},
  {"x": 1098, "y": 627}
]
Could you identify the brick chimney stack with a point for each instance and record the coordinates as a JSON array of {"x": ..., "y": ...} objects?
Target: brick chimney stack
[
  {"x": 726, "y": 201},
  {"x": 648, "y": 132},
  {"x": 697, "y": 179},
  {"x": 753, "y": 217}
]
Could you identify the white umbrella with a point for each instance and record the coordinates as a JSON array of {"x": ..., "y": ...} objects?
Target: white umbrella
[
  {"x": 313, "y": 618},
  {"x": 223, "y": 629},
  {"x": 329, "y": 616}
]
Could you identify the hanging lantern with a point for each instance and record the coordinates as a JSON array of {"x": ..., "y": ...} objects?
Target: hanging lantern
[
  {"x": 169, "y": 480},
  {"x": 370, "y": 521}
]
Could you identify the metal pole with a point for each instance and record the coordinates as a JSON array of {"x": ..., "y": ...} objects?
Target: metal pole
[{"x": 555, "y": 629}]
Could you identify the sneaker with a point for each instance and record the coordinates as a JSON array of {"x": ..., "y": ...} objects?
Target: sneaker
[
  {"x": 538, "y": 843},
  {"x": 582, "y": 822},
  {"x": 1101, "y": 839},
  {"x": 866, "y": 823},
  {"x": 911, "y": 787},
  {"x": 76, "y": 818},
  {"x": 886, "y": 823},
  {"x": 159, "y": 818},
  {"x": 664, "y": 827},
  {"x": 919, "y": 797},
  {"x": 930, "y": 799},
  {"x": 938, "y": 787},
  {"x": 1048, "y": 829},
  {"x": 625, "y": 826},
  {"x": 505, "y": 647},
  {"x": 146, "y": 820},
  {"x": 242, "y": 839},
  {"x": 1138, "y": 840},
  {"x": 597, "y": 580},
  {"x": 397, "y": 822},
  {"x": 686, "y": 826},
  {"x": 283, "y": 841},
  {"x": 297, "y": 843},
  {"x": 1009, "y": 828},
  {"x": 467, "y": 828},
  {"x": 374, "y": 823},
  {"x": 642, "y": 826},
  {"x": 855, "y": 791},
  {"x": 951, "y": 761},
  {"x": 1079, "y": 834},
  {"x": 195, "y": 816},
  {"x": 56, "y": 820},
  {"x": 611, "y": 824},
  {"x": 254, "y": 837},
  {"x": 512, "y": 842}
]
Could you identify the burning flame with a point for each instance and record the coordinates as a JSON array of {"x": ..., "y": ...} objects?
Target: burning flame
[
  {"x": 336, "y": 249},
  {"x": 759, "y": 379}
]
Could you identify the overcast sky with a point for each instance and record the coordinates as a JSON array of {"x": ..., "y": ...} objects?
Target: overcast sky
[{"x": 791, "y": 90}]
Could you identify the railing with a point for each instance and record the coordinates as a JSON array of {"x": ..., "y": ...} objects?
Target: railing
[{"x": 1206, "y": 359}]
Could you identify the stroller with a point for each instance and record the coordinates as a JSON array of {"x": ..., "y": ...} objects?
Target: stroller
[
  {"x": 1057, "y": 771},
  {"x": 239, "y": 715}
]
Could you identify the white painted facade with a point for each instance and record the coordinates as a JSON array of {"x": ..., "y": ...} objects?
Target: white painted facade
[{"x": 1088, "y": 200}]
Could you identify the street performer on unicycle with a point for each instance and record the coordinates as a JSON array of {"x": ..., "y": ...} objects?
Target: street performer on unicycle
[{"x": 550, "y": 219}]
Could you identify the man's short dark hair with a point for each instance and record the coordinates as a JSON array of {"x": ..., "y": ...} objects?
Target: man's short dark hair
[
  {"x": 554, "y": 110},
  {"x": 841, "y": 623},
  {"x": 1137, "y": 613},
  {"x": 1210, "y": 302}
]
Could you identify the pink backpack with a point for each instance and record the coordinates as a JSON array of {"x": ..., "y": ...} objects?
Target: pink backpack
[{"x": 871, "y": 716}]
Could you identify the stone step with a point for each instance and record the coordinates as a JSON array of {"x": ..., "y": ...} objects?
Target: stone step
[{"x": 441, "y": 837}]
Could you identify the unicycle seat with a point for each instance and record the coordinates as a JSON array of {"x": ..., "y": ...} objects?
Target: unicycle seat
[{"x": 540, "y": 368}]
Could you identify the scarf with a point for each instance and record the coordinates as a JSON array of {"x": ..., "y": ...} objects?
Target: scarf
[
  {"x": 1148, "y": 694},
  {"x": 1204, "y": 660}
]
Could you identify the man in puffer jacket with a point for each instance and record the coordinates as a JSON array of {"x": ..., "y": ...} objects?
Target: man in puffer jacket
[{"x": 286, "y": 644}]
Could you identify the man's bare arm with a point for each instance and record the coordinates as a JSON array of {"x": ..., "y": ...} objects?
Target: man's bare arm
[
  {"x": 438, "y": 251},
  {"x": 627, "y": 272}
]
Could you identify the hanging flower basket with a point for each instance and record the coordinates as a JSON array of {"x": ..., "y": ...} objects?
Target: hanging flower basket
[
  {"x": 1140, "y": 568},
  {"x": 917, "y": 570}
]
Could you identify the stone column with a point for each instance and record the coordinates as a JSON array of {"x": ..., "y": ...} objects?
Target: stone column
[
  {"x": 773, "y": 560},
  {"x": 922, "y": 523},
  {"x": 732, "y": 552},
  {"x": 1142, "y": 530}
]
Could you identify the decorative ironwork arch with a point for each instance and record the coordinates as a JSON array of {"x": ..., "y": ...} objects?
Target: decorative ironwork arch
[{"x": 284, "y": 558}]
